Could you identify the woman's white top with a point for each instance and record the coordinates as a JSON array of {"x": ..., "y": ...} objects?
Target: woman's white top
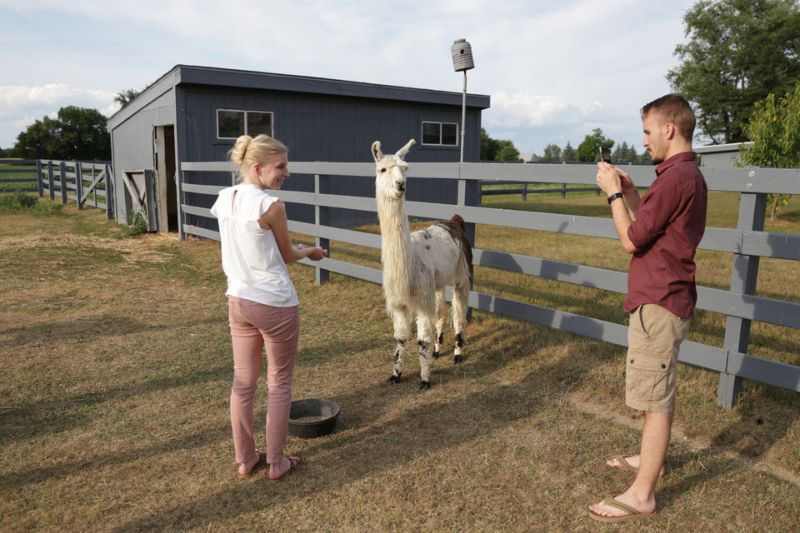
[{"x": 250, "y": 255}]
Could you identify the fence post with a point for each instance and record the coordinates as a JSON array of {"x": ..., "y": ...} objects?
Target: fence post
[
  {"x": 461, "y": 201},
  {"x": 39, "y": 178},
  {"x": 321, "y": 217},
  {"x": 62, "y": 169},
  {"x": 79, "y": 184},
  {"x": 525, "y": 192},
  {"x": 50, "y": 181},
  {"x": 752, "y": 211},
  {"x": 179, "y": 177},
  {"x": 109, "y": 183},
  {"x": 563, "y": 190}
]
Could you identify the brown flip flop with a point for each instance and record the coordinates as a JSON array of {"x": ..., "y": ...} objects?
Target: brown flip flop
[
  {"x": 294, "y": 463},
  {"x": 631, "y": 513},
  {"x": 623, "y": 464}
]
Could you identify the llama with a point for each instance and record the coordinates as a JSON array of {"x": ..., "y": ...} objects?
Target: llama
[{"x": 416, "y": 268}]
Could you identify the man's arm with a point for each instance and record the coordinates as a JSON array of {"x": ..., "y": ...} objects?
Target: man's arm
[
  {"x": 632, "y": 198},
  {"x": 611, "y": 181}
]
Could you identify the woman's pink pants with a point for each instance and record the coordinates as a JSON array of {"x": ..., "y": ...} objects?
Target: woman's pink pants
[{"x": 256, "y": 326}]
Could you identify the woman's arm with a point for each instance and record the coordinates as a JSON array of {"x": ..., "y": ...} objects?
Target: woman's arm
[{"x": 274, "y": 218}]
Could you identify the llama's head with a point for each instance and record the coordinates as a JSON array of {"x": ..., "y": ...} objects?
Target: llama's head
[{"x": 390, "y": 171}]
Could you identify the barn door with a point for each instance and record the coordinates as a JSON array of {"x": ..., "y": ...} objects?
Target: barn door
[{"x": 140, "y": 186}]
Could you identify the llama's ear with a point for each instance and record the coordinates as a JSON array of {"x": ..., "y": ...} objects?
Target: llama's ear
[
  {"x": 376, "y": 151},
  {"x": 401, "y": 153}
]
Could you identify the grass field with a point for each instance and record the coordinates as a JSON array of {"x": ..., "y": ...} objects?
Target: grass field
[
  {"x": 116, "y": 366},
  {"x": 27, "y": 172}
]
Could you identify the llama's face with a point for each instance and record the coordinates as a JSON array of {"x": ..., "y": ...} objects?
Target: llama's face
[{"x": 390, "y": 171}]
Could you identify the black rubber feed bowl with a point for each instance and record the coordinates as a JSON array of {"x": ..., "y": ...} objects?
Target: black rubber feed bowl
[{"x": 312, "y": 418}]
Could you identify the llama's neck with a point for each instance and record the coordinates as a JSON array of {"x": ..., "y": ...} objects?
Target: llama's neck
[{"x": 395, "y": 237}]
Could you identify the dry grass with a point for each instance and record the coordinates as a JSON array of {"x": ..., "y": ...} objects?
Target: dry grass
[{"x": 116, "y": 378}]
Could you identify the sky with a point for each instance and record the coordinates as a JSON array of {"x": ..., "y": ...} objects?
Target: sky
[{"x": 555, "y": 70}]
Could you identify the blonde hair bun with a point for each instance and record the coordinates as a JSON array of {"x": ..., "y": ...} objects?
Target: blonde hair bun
[
  {"x": 239, "y": 150},
  {"x": 248, "y": 151}
]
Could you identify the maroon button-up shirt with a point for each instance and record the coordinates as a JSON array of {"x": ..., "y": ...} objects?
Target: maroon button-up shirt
[{"x": 668, "y": 227}]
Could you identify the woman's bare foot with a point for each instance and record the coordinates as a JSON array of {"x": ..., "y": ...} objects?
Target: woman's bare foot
[
  {"x": 285, "y": 467},
  {"x": 247, "y": 468}
]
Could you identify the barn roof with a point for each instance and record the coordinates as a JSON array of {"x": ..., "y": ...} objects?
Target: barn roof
[{"x": 248, "y": 79}]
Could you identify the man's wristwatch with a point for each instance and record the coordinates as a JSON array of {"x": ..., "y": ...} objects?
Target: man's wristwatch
[{"x": 614, "y": 197}]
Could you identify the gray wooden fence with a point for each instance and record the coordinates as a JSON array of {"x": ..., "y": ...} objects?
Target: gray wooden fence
[
  {"x": 499, "y": 188},
  {"x": 746, "y": 244},
  {"x": 17, "y": 175},
  {"x": 82, "y": 182}
]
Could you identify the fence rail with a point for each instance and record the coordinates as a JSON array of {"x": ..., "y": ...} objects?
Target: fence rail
[
  {"x": 746, "y": 243},
  {"x": 498, "y": 188},
  {"x": 22, "y": 172},
  {"x": 85, "y": 183}
]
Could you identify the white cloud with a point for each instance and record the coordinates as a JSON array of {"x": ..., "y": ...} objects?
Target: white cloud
[
  {"x": 547, "y": 63},
  {"x": 511, "y": 110},
  {"x": 18, "y": 98},
  {"x": 21, "y": 106}
]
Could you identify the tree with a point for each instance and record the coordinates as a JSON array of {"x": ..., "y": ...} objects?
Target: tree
[
  {"x": 588, "y": 150},
  {"x": 738, "y": 52},
  {"x": 774, "y": 128},
  {"x": 125, "y": 97},
  {"x": 77, "y": 133},
  {"x": 569, "y": 155},
  {"x": 497, "y": 149},
  {"x": 506, "y": 152},
  {"x": 552, "y": 154},
  {"x": 487, "y": 148},
  {"x": 624, "y": 154}
]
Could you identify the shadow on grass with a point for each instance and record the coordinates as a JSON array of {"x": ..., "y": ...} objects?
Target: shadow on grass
[
  {"x": 26, "y": 421},
  {"x": 16, "y": 480},
  {"x": 709, "y": 464},
  {"x": 419, "y": 431},
  {"x": 84, "y": 329}
]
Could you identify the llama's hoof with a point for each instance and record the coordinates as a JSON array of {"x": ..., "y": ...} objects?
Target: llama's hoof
[
  {"x": 458, "y": 359},
  {"x": 436, "y": 355},
  {"x": 424, "y": 385},
  {"x": 395, "y": 379}
]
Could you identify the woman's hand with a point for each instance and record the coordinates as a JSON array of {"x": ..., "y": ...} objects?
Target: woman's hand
[{"x": 314, "y": 253}]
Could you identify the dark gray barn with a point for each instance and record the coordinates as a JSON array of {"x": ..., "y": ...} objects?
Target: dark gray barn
[{"x": 194, "y": 114}]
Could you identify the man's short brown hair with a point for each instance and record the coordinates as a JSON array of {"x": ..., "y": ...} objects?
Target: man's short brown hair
[{"x": 674, "y": 108}]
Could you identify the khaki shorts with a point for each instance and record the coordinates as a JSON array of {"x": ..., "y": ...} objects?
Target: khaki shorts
[{"x": 654, "y": 338}]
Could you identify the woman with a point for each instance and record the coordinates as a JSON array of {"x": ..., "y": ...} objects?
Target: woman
[{"x": 263, "y": 309}]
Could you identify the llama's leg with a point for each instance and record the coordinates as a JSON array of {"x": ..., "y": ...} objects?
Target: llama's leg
[
  {"x": 402, "y": 331},
  {"x": 460, "y": 295},
  {"x": 425, "y": 340},
  {"x": 441, "y": 307}
]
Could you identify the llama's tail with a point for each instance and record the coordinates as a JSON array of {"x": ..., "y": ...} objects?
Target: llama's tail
[{"x": 458, "y": 229}]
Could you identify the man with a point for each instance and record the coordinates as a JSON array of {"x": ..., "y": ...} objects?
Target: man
[{"x": 661, "y": 230}]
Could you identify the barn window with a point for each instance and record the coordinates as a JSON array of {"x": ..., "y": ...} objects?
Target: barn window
[
  {"x": 258, "y": 123},
  {"x": 231, "y": 123},
  {"x": 440, "y": 133}
]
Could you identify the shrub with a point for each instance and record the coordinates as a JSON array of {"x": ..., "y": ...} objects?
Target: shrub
[
  {"x": 137, "y": 224},
  {"x": 17, "y": 201}
]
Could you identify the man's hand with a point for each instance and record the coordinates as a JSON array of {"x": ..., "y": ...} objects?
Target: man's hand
[
  {"x": 608, "y": 178},
  {"x": 625, "y": 180}
]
